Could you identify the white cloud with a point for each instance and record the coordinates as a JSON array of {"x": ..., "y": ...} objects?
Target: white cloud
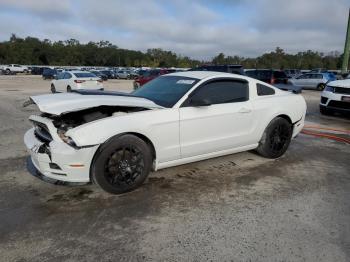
[{"x": 198, "y": 28}]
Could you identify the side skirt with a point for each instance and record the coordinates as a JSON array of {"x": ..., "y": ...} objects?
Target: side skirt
[{"x": 187, "y": 160}]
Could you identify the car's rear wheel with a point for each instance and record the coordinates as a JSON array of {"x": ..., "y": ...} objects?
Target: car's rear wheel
[
  {"x": 53, "y": 89},
  {"x": 8, "y": 72},
  {"x": 122, "y": 164},
  {"x": 69, "y": 89},
  {"x": 276, "y": 138},
  {"x": 320, "y": 87}
]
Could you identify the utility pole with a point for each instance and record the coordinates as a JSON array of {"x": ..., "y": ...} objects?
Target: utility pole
[{"x": 345, "y": 64}]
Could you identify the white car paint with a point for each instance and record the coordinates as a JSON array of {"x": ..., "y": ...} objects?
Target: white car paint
[
  {"x": 68, "y": 80},
  {"x": 339, "y": 92},
  {"x": 178, "y": 134}
]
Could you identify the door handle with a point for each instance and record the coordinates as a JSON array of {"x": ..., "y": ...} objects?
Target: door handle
[{"x": 244, "y": 110}]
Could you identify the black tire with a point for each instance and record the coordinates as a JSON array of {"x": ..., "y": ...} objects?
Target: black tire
[
  {"x": 122, "y": 164},
  {"x": 53, "y": 89},
  {"x": 325, "y": 111},
  {"x": 69, "y": 89},
  {"x": 8, "y": 72},
  {"x": 276, "y": 138},
  {"x": 320, "y": 87}
]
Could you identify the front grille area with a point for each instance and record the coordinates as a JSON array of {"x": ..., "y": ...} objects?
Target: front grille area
[
  {"x": 341, "y": 90},
  {"x": 42, "y": 133},
  {"x": 339, "y": 104},
  {"x": 324, "y": 100}
]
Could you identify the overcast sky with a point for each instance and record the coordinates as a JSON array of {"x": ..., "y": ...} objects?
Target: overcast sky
[{"x": 197, "y": 28}]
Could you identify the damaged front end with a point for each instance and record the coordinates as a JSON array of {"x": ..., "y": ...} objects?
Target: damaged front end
[{"x": 54, "y": 153}]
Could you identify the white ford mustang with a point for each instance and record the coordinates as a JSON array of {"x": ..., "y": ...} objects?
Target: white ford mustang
[{"x": 116, "y": 139}]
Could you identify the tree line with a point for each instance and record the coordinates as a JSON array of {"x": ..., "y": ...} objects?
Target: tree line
[{"x": 33, "y": 51}]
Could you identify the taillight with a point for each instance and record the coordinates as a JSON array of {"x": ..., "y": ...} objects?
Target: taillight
[{"x": 79, "y": 81}]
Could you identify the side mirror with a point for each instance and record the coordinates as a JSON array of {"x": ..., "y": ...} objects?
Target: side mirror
[{"x": 199, "y": 102}]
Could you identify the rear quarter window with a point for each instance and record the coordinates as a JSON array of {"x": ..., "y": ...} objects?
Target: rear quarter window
[{"x": 264, "y": 90}]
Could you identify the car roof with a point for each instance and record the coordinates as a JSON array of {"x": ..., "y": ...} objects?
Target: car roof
[
  {"x": 77, "y": 71},
  {"x": 206, "y": 74}
]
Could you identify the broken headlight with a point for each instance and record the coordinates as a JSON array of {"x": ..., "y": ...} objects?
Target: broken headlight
[{"x": 68, "y": 140}]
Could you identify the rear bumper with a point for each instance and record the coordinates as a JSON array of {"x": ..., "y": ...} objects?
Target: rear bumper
[{"x": 58, "y": 160}]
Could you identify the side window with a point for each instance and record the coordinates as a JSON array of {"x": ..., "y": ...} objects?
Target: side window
[
  {"x": 67, "y": 76},
  {"x": 223, "y": 91},
  {"x": 264, "y": 90},
  {"x": 319, "y": 76},
  {"x": 60, "y": 76}
]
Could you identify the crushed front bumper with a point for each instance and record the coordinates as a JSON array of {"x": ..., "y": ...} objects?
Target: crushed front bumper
[{"x": 58, "y": 160}]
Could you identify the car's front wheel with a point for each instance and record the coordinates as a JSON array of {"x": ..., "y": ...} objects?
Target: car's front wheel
[
  {"x": 276, "y": 138},
  {"x": 122, "y": 164}
]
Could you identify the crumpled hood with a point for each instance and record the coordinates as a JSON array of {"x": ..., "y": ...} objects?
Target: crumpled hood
[
  {"x": 57, "y": 104},
  {"x": 340, "y": 83}
]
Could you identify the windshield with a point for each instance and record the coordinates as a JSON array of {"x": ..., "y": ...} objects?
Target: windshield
[{"x": 166, "y": 90}]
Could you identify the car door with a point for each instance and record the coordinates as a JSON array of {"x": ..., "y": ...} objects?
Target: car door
[
  {"x": 224, "y": 124},
  {"x": 301, "y": 80}
]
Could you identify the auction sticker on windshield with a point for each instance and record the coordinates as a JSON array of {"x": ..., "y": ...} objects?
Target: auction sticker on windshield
[{"x": 185, "y": 81}]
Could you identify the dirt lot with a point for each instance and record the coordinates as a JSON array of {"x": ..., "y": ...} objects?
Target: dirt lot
[{"x": 239, "y": 207}]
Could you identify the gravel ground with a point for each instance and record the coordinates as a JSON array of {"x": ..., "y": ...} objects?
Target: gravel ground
[{"x": 239, "y": 207}]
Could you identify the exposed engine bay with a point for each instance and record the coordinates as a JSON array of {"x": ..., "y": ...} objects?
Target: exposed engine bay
[{"x": 70, "y": 120}]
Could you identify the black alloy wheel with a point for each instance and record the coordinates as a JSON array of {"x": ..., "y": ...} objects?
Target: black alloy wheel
[
  {"x": 122, "y": 164},
  {"x": 276, "y": 138}
]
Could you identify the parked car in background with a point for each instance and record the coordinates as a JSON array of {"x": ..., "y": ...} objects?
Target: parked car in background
[
  {"x": 268, "y": 75},
  {"x": 292, "y": 73},
  {"x": 14, "y": 69},
  {"x": 148, "y": 75},
  {"x": 100, "y": 75},
  {"x": 313, "y": 80},
  {"x": 318, "y": 70},
  {"x": 108, "y": 73},
  {"x": 116, "y": 139},
  {"x": 49, "y": 73},
  {"x": 336, "y": 97},
  {"x": 133, "y": 74},
  {"x": 37, "y": 70},
  {"x": 73, "y": 80},
  {"x": 123, "y": 74},
  {"x": 233, "y": 69},
  {"x": 337, "y": 73}
]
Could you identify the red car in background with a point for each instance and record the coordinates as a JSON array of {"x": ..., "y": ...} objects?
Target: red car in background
[{"x": 148, "y": 75}]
